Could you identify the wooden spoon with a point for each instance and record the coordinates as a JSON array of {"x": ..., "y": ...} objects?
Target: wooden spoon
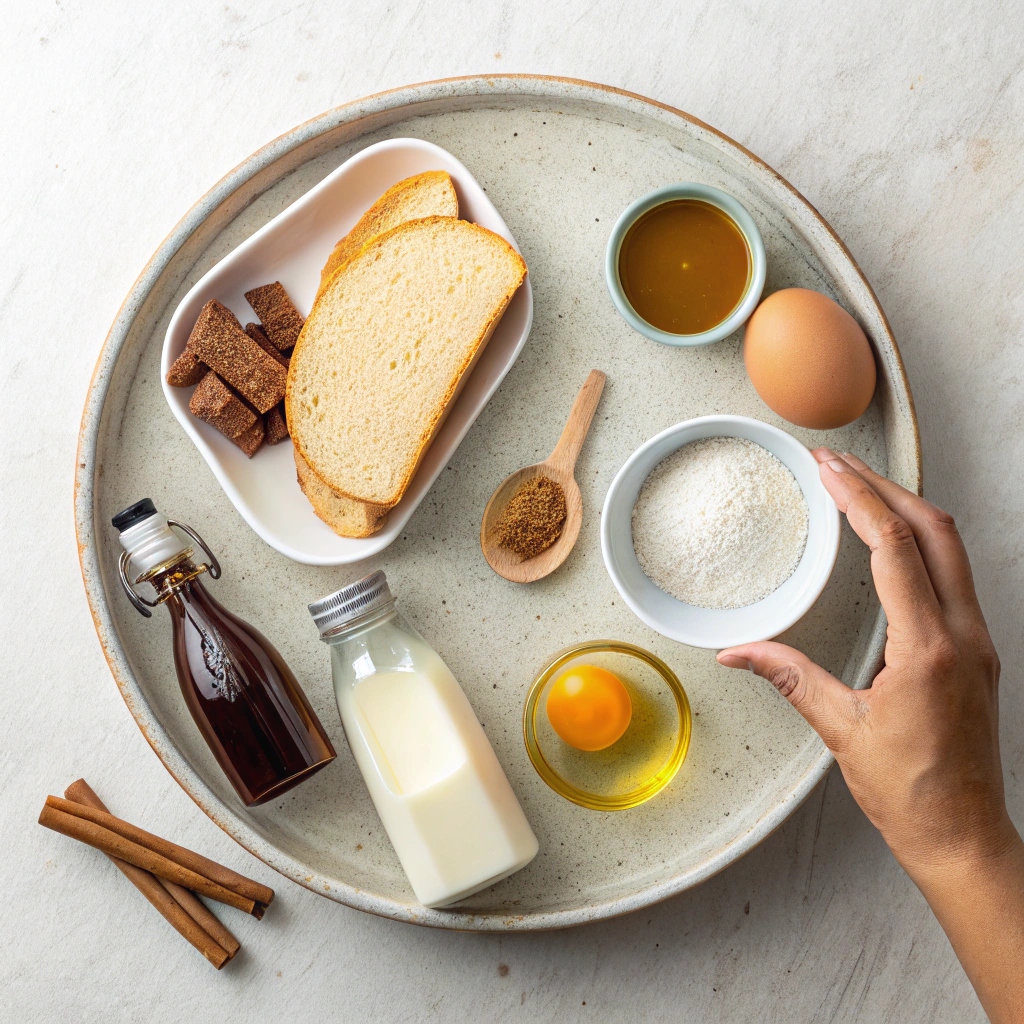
[{"x": 558, "y": 466}]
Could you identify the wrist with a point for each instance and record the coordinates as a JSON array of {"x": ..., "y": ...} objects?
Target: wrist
[
  {"x": 945, "y": 846},
  {"x": 977, "y": 895},
  {"x": 970, "y": 856}
]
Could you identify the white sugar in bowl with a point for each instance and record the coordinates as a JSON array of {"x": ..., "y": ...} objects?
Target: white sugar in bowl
[{"x": 716, "y": 628}]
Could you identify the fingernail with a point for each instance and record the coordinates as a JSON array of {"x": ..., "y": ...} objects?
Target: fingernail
[
  {"x": 837, "y": 466},
  {"x": 823, "y": 454},
  {"x": 735, "y": 661}
]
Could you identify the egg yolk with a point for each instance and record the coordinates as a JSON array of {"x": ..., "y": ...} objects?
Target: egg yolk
[{"x": 589, "y": 707}]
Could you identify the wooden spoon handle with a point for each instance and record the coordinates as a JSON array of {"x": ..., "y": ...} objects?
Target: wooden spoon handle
[{"x": 571, "y": 442}]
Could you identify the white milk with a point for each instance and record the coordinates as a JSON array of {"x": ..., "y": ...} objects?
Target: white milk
[{"x": 441, "y": 794}]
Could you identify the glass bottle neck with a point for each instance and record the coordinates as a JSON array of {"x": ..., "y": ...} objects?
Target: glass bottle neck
[
  {"x": 169, "y": 577},
  {"x": 369, "y": 621},
  {"x": 151, "y": 545}
]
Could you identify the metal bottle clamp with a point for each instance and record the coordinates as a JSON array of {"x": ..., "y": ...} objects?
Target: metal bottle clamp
[{"x": 143, "y": 604}]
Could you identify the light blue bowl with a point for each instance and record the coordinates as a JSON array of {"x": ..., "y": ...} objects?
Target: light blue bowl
[{"x": 728, "y": 205}]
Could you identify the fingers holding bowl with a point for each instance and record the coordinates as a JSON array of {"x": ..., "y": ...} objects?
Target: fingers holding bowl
[
  {"x": 901, "y": 579},
  {"x": 938, "y": 540}
]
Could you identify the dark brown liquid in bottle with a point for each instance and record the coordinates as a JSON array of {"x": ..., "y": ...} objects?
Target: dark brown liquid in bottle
[{"x": 244, "y": 698}]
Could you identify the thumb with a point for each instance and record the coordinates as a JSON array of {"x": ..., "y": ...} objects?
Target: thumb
[{"x": 821, "y": 698}]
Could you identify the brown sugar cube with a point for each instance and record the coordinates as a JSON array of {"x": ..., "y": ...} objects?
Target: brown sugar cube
[
  {"x": 215, "y": 403},
  {"x": 185, "y": 371},
  {"x": 280, "y": 319},
  {"x": 260, "y": 337},
  {"x": 250, "y": 440},
  {"x": 277, "y": 428},
  {"x": 219, "y": 341}
]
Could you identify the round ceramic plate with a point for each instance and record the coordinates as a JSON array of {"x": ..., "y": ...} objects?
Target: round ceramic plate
[{"x": 560, "y": 160}]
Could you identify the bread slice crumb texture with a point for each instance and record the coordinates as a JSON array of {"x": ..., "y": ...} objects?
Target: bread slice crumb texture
[
  {"x": 387, "y": 346},
  {"x": 430, "y": 194},
  {"x": 345, "y": 516}
]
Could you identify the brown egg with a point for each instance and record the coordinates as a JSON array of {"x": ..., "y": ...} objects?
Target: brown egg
[{"x": 809, "y": 359}]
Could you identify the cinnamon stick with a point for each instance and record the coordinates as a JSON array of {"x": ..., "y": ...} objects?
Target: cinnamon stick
[
  {"x": 222, "y": 876},
  {"x": 210, "y": 936},
  {"x": 202, "y": 915},
  {"x": 114, "y": 845}
]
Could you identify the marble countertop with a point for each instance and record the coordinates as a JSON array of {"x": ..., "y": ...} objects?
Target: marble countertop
[{"x": 903, "y": 125}]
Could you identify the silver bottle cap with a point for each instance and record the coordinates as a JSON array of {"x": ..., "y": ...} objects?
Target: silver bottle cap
[{"x": 357, "y": 600}]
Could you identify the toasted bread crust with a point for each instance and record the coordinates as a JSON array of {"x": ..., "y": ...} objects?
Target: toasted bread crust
[
  {"x": 281, "y": 321},
  {"x": 185, "y": 371},
  {"x": 217, "y": 339},
  {"x": 215, "y": 403}
]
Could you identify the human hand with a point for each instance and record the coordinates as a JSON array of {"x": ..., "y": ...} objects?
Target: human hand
[{"x": 920, "y": 749}]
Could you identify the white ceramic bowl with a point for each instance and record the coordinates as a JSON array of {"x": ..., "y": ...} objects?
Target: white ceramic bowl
[
  {"x": 291, "y": 249},
  {"x": 710, "y": 627}
]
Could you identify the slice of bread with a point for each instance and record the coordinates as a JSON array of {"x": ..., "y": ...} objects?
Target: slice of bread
[
  {"x": 344, "y": 516},
  {"x": 431, "y": 194},
  {"x": 387, "y": 347},
  {"x": 423, "y": 195}
]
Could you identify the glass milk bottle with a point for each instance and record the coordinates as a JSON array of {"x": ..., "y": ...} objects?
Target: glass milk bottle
[
  {"x": 437, "y": 785},
  {"x": 243, "y": 697}
]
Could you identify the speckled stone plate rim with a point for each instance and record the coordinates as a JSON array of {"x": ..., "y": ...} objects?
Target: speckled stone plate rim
[{"x": 219, "y": 206}]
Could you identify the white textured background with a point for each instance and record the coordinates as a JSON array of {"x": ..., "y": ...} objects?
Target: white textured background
[{"x": 903, "y": 123}]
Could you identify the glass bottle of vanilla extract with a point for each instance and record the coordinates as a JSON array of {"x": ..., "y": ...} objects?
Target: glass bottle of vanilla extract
[{"x": 243, "y": 697}]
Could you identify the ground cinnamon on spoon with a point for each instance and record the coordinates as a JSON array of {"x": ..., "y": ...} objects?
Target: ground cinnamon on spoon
[{"x": 533, "y": 519}]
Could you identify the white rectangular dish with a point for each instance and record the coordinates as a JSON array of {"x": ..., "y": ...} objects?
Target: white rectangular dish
[{"x": 292, "y": 248}]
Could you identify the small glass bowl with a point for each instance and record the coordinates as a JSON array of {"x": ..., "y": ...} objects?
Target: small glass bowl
[{"x": 637, "y": 766}]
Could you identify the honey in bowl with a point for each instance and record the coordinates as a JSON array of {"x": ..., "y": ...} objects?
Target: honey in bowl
[{"x": 684, "y": 266}]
